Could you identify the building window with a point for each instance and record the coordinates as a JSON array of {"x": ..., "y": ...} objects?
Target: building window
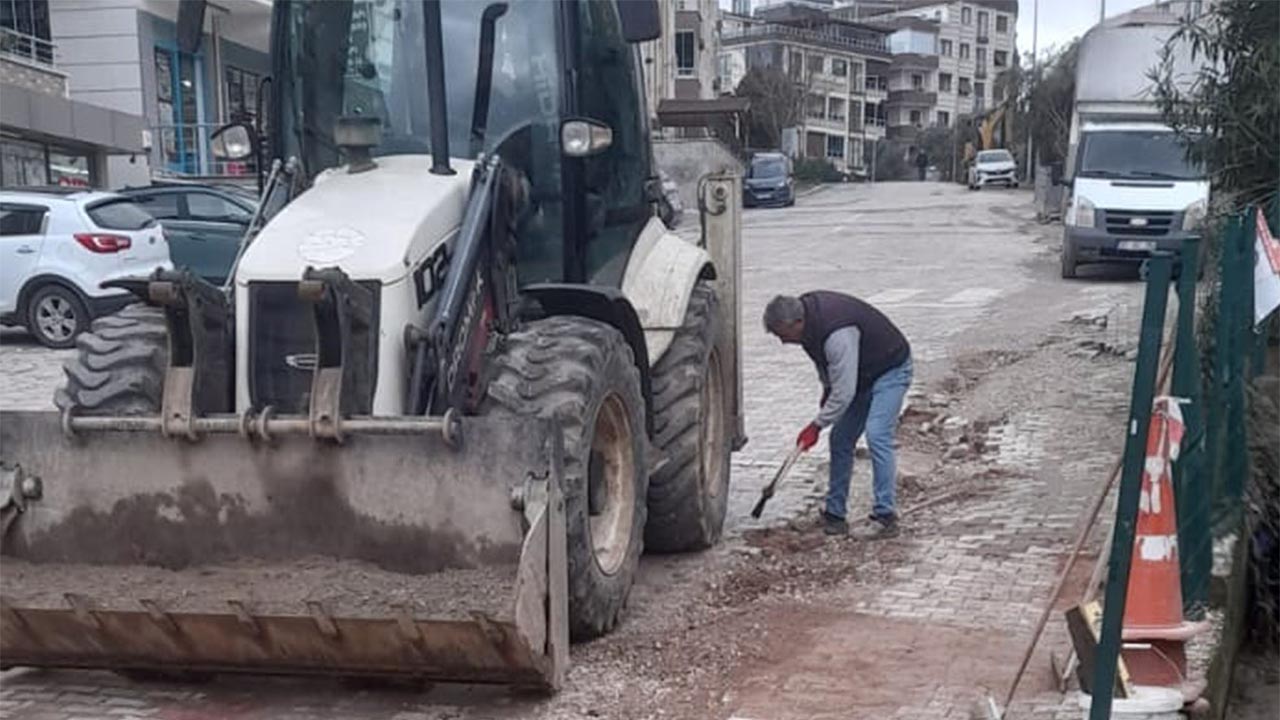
[
  {"x": 944, "y": 118},
  {"x": 856, "y": 79},
  {"x": 944, "y": 82},
  {"x": 873, "y": 83},
  {"x": 944, "y": 48},
  {"x": 966, "y": 16},
  {"x": 964, "y": 51},
  {"x": 28, "y": 23},
  {"x": 686, "y": 53},
  {"x": 980, "y": 89},
  {"x": 1001, "y": 58},
  {"x": 817, "y": 107},
  {"x": 839, "y": 68},
  {"x": 965, "y": 87},
  {"x": 242, "y": 94},
  {"x": 835, "y": 109},
  {"x": 916, "y": 118},
  {"x": 981, "y": 57},
  {"x": 835, "y": 147},
  {"x": 917, "y": 81},
  {"x": 795, "y": 63},
  {"x": 817, "y": 63},
  {"x": 23, "y": 164},
  {"x": 983, "y": 23},
  {"x": 1002, "y": 24}
]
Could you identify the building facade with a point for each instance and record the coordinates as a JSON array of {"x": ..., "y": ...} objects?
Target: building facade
[
  {"x": 48, "y": 136},
  {"x": 947, "y": 57},
  {"x": 681, "y": 63},
  {"x": 843, "y": 66},
  {"x": 125, "y": 55}
]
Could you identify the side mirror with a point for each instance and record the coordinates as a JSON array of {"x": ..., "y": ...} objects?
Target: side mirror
[
  {"x": 640, "y": 20},
  {"x": 233, "y": 142},
  {"x": 583, "y": 138}
]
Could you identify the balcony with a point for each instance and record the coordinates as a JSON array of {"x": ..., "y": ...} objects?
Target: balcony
[
  {"x": 984, "y": 37},
  {"x": 26, "y": 48},
  {"x": 774, "y": 31},
  {"x": 913, "y": 97},
  {"x": 914, "y": 61},
  {"x": 905, "y": 132}
]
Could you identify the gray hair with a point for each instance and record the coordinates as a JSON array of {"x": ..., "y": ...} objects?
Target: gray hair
[{"x": 782, "y": 311}]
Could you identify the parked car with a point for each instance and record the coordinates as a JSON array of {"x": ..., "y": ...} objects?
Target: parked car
[
  {"x": 992, "y": 167},
  {"x": 770, "y": 181},
  {"x": 58, "y": 247},
  {"x": 204, "y": 223}
]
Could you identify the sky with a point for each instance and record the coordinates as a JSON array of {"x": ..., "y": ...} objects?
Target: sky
[{"x": 1062, "y": 20}]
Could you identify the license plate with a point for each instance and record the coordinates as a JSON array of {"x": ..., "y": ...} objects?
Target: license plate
[{"x": 1138, "y": 245}]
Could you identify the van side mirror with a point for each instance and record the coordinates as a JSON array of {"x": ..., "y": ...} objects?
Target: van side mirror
[{"x": 640, "y": 20}]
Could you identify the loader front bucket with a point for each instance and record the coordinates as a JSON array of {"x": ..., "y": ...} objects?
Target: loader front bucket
[{"x": 392, "y": 554}]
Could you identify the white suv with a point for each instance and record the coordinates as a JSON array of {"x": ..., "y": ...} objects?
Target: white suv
[{"x": 56, "y": 250}]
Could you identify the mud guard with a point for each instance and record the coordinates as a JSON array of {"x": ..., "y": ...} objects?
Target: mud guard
[{"x": 398, "y": 553}]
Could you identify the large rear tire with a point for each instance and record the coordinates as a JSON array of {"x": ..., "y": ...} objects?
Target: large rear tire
[
  {"x": 119, "y": 367},
  {"x": 582, "y": 373},
  {"x": 688, "y": 496}
]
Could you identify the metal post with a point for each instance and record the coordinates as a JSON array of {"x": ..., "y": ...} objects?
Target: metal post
[
  {"x": 1159, "y": 268},
  {"x": 1239, "y": 324},
  {"x": 1191, "y": 493},
  {"x": 1035, "y": 37}
]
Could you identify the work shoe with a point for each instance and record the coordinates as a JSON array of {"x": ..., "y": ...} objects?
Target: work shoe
[
  {"x": 833, "y": 525},
  {"x": 882, "y": 526}
]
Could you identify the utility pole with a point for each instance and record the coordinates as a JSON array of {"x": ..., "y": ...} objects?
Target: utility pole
[
  {"x": 1102, "y": 12},
  {"x": 1035, "y": 37}
]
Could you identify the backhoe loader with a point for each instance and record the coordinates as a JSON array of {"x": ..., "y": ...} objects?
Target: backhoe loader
[{"x": 460, "y": 376}]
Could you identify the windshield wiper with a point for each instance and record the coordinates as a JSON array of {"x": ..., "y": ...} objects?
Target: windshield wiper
[{"x": 1155, "y": 174}]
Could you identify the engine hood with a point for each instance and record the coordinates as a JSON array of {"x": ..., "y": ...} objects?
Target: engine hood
[{"x": 372, "y": 224}]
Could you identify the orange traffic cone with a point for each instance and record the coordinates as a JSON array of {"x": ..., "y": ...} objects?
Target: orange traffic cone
[{"x": 1154, "y": 629}]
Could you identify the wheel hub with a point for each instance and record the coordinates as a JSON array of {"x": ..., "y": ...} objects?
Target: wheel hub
[{"x": 611, "y": 485}]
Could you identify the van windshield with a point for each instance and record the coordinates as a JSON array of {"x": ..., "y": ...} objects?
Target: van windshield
[
  {"x": 768, "y": 168},
  {"x": 1138, "y": 155}
]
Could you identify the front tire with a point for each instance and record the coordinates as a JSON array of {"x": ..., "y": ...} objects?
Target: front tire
[
  {"x": 582, "y": 373},
  {"x": 56, "y": 316},
  {"x": 688, "y": 496},
  {"x": 1070, "y": 260},
  {"x": 119, "y": 369}
]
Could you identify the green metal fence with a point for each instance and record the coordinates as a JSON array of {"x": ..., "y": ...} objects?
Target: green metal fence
[{"x": 1215, "y": 357}]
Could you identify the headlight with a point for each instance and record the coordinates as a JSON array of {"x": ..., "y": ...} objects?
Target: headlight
[
  {"x": 1193, "y": 216},
  {"x": 1081, "y": 213}
]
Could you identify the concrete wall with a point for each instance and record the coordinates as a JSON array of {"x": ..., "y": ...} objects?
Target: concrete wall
[
  {"x": 97, "y": 46},
  {"x": 685, "y": 161},
  {"x": 32, "y": 77}
]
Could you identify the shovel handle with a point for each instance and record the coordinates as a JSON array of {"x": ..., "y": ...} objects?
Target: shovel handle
[{"x": 767, "y": 492}]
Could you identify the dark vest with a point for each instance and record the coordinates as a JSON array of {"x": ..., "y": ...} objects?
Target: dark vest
[{"x": 883, "y": 346}]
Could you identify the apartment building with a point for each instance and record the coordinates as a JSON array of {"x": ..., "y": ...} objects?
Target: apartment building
[
  {"x": 47, "y": 136},
  {"x": 844, "y": 66},
  {"x": 682, "y": 63},
  {"x": 947, "y": 56}
]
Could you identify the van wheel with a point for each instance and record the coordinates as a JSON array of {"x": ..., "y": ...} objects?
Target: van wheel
[
  {"x": 55, "y": 316},
  {"x": 1069, "y": 260}
]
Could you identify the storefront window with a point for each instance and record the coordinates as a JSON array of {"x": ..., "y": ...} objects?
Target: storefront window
[
  {"x": 68, "y": 170},
  {"x": 28, "y": 164},
  {"x": 22, "y": 164}
]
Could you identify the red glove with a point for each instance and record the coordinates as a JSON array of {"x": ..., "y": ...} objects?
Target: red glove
[{"x": 808, "y": 436}]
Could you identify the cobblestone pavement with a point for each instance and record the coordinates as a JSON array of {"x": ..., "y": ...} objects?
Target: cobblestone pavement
[{"x": 1021, "y": 384}]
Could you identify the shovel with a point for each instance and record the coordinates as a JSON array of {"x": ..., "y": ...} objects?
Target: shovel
[{"x": 767, "y": 492}]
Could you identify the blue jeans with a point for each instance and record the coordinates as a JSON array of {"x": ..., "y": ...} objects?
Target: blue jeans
[{"x": 875, "y": 410}]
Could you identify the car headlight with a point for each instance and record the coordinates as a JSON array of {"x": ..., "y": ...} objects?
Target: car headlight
[
  {"x": 1080, "y": 214},
  {"x": 1193, "y": 216}
]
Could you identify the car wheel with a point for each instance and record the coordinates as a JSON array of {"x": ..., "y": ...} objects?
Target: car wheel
[{"x": 55, "y": 316}]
